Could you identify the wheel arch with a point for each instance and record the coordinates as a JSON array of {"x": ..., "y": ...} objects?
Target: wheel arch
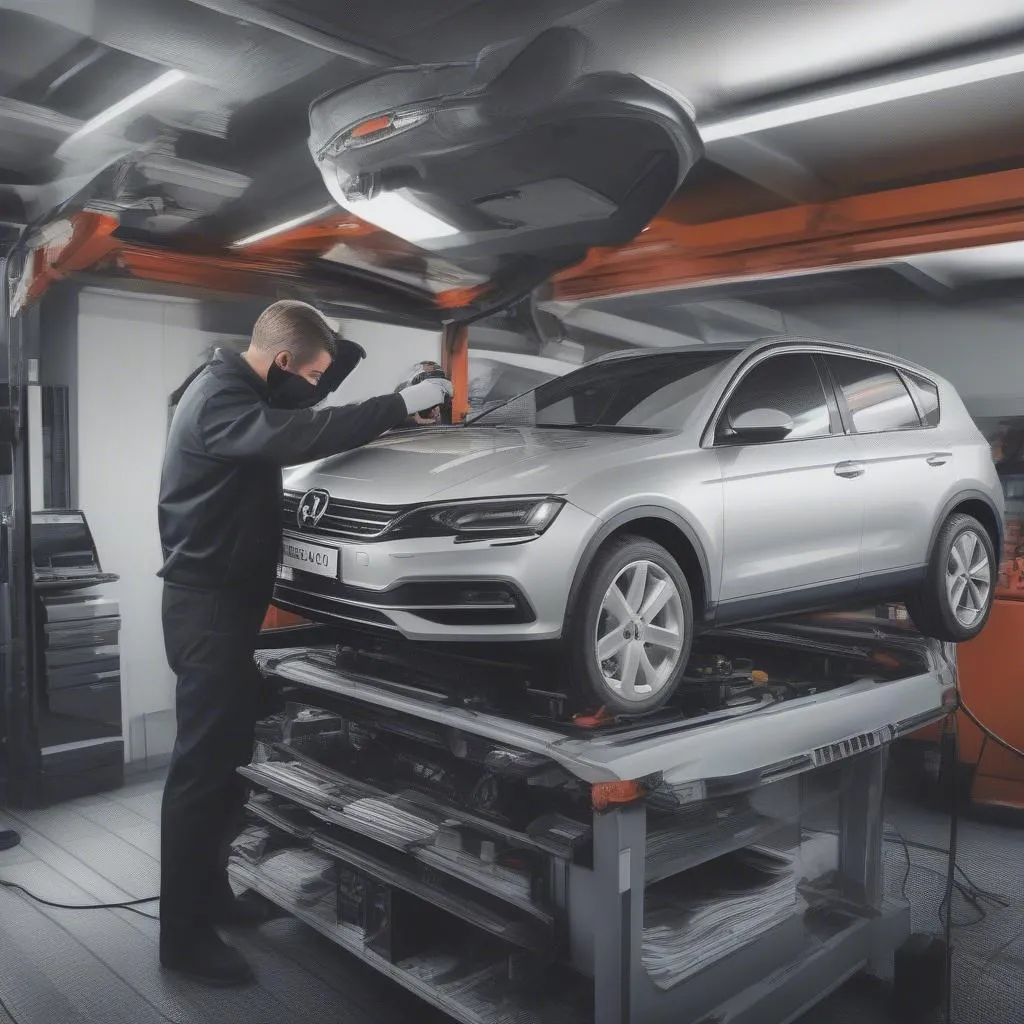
[
  {"x": 663, "y": 527},
  {"x": 978, "y": 505}
]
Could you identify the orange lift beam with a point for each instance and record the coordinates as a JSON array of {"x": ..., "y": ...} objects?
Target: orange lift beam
[{"x": 966, "y": 212}]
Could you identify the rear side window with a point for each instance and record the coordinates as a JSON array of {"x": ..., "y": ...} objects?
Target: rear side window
[
  {"x": 927, "y": 396},
  {"x": 875, "y": 394}
]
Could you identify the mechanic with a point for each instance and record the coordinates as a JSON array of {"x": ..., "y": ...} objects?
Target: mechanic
[
  {"x": 441, "y": 414},
  {"x": 240, "y": 420}
]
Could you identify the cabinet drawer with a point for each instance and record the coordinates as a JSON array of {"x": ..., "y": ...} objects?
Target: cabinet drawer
[{"x": 96, "y": 702}]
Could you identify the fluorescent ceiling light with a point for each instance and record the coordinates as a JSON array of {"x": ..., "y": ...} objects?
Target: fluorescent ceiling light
[
  {"x": 395, "y": 213},
  {"x": 859, "y": 99},
  {"x": 285, "y": 225},
  {"x": 954, "y": 267},
  {"x": 147, "y": 92}
]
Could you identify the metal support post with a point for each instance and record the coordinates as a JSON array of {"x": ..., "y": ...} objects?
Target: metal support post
[
  {"x": 860, "y": 828},
  {"x": 620, "y": 839}
]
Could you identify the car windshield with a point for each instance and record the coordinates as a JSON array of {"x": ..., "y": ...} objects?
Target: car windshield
[{"x": 641, "y": 394}]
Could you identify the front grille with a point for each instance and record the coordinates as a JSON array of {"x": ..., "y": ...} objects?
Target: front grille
[{"x": 342, "y": 518}]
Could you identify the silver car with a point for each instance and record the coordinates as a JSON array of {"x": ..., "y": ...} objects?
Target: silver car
[{"x": 646, "y": 495}]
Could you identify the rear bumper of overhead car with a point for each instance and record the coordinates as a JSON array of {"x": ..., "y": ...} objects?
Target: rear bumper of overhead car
[{"x": 434, "y": 589}]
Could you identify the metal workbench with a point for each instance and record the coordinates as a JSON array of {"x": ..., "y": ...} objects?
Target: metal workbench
[{"x": 799, "y": 779}]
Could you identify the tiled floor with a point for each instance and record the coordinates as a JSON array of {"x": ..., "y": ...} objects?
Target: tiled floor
[{"x": 100, "y": 967}]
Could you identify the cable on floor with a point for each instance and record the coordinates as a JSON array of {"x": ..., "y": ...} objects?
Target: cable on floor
[
  {"x": 130, "y": 905},
  {"x": 931, "y": 848},
  {"x": 971, "y": 893},
  {"x": 988, "y": 733}
]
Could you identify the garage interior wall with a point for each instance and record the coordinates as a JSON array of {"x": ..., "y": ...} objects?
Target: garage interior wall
[
  {"x": 977, "y": 346},
  {"x": 390, "y": 354},
  {"x": 130, "y": 353}
]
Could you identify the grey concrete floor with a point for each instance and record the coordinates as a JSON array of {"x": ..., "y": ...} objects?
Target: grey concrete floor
[{"x": 100, "y": 967}]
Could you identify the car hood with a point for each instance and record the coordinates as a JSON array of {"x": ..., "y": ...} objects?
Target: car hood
[{"x": 408, "y": 467}]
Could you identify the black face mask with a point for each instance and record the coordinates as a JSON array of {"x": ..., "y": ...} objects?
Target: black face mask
[{"x": 289, "y": 390}]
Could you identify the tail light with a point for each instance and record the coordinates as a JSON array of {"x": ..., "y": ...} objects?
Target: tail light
[{"x": 377, "y": 129}]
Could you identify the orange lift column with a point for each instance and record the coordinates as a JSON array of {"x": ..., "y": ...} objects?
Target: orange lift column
[{"x": 455, "y": 361}]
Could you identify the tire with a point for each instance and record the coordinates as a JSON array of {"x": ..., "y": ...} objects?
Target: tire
[
  {"x": 657, "y": 665},
  {"x": 936, "y": 609}
]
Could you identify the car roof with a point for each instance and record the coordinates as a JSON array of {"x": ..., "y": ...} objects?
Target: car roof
[{"x": 776, "y": 341}]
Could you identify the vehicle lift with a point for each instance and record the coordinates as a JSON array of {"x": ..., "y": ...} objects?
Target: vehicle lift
[{"x": 507, "y": 864}]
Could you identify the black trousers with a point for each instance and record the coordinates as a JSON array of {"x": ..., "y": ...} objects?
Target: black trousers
[{"x": 210, "y": 637}]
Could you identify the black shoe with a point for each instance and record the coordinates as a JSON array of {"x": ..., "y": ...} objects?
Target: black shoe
[
  {"x": 208, "y": 959},
  {"x": 249, "y": 910},
  {"x": 9, "y": 839}
]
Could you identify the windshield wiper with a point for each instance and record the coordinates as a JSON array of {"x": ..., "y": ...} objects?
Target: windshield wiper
[{"x": 607, "y": 428}]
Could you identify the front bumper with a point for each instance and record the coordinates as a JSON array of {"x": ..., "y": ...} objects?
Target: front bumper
[{"x": 430, "y": 588}]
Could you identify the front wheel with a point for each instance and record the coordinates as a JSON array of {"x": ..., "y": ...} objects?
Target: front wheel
[
  {"x": 630, "y": 632},
  {"x": 954, "y": 602}
]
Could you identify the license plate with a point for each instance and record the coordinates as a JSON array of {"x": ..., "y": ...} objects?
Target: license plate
[{"x": 314, "y": 558}]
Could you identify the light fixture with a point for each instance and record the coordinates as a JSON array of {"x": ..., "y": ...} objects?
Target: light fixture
[
  {"x": 285, "y": 225},
  {"x": 401, "y": 216},
  {"x": 859, "y": 99},
  {"x": 147, "y": 92},
  {"x": 1000, "y": 261}
]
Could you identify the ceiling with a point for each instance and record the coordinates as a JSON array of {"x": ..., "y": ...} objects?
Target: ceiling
[{"x": 221, "y": 154}]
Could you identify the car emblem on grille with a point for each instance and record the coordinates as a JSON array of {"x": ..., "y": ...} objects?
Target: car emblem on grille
[{"x": 311, "y": 508}]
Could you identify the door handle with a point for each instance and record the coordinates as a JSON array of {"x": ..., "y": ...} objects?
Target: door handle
[
  {"x": 939, "y": 458},
  {"x": 849, "y": 470}
]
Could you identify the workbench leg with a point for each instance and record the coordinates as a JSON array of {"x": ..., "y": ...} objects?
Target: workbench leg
[
  {"x": 861, "y": 826},
  {"x": 620, "y": 842}
]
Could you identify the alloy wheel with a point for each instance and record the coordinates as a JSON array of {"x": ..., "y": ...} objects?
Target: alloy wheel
[
  {"x": 968, "y": 578},
  {"x": 640, "y": 633}
]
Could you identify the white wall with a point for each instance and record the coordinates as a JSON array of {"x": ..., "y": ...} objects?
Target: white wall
[
  {"x": 390, "y": 353},
  {"x": 132, "y": 352}
]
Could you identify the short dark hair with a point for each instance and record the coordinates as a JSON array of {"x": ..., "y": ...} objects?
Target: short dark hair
[{"x": 294, "y": 327}]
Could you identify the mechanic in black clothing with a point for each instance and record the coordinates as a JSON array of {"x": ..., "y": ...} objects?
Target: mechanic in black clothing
[{"x": 240, "y": 420}]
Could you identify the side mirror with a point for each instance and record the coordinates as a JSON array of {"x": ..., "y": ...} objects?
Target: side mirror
[{"x": 760, "y": 425}]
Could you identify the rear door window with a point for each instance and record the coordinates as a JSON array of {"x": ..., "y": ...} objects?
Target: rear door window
[
  {"x": 875, "y": 395},
  {"x": 927, "y": 396}
]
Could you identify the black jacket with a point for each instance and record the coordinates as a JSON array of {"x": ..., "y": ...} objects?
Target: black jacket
[{"x": 220, "y": 490}]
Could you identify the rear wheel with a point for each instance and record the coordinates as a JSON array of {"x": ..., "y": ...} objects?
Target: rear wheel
[
  {"x": 954, "y": 602},
  {"x": 630, "y": 633}
]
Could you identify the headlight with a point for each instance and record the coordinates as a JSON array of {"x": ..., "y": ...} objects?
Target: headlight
[{"x": 481, "y": 520}]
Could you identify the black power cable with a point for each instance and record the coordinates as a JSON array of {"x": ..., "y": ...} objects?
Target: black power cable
[
  {"x": 988, "y": 733},
  {"x": 130, "y": 905},
  {"x": 968, "y": 889},
  {"x": 950, "y": 737}
]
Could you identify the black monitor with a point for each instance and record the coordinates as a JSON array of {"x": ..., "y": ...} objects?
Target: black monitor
[{"x": 61, "y": 541}]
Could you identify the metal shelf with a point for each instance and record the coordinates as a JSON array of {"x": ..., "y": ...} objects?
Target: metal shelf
[
  {"x": 371, "y": 864},
  {"x": 758, "y": 829},
  {"x": 834, "y": 743},
  {"x": 351, "y": 939}
]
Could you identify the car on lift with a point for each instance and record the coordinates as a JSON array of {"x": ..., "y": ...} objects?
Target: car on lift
[{"x": 619, "y": 508}]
